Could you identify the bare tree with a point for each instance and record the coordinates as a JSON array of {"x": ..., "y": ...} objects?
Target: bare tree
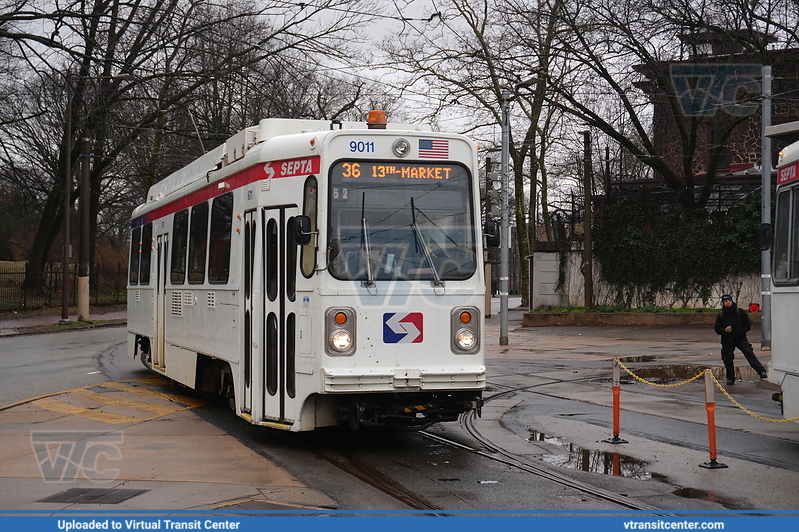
[
  {"x": 613, "y": 48},
  {"x": 132, "y": 69},
  {"x": 465, "y": 60}
]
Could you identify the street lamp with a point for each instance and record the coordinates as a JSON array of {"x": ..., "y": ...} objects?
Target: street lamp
[
  {"x": 83, "y": 260},
  {"x": 67, "y": 207},
  {"x": 504, "y": 247}
]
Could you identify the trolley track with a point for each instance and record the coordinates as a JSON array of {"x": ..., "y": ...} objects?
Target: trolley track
[
  {"x": 345, "y": 461},
  {"x": 342, "y": 459},
  {"x": 339, "y": 454},
  {"x": 498, "y": 454}
]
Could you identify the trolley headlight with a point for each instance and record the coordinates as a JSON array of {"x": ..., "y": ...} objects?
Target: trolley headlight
[
  {"x": 465, "y": 339},
  {"x": 341, "y": 337},
  {"x": 464, "y": 327},
  {"x": 341, "y": 340}
]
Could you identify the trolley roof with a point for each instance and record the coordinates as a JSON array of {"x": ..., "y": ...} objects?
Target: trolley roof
[{"x": 237, "y": 146}]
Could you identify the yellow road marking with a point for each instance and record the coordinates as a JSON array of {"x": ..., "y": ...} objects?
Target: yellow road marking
[
  {"x": 62, "y": 407},
  {"x": 127, "y": 403},
  {"x": 48, "y": 402},
  {"x": 150, "y": 393}
]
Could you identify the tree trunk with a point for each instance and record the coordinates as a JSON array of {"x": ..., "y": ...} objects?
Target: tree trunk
[{"x": 46, "y": 233}]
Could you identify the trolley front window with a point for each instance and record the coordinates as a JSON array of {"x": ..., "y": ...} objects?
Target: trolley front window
[{"x": 401, "y": 221}]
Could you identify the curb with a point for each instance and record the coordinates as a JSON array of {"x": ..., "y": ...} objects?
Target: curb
[
  {"x": 36, "y": 329},
  {"x": 542, "y": 319}
]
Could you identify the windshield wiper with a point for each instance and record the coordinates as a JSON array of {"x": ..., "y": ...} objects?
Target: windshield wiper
[
  {"x": 420, "y": 242},
  {"x": 366, "y": 247},
  {"x": 443, "y": 232}
]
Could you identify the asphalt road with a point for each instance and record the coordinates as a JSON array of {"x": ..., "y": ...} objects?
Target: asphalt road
[{"x": 555, "y": 411}]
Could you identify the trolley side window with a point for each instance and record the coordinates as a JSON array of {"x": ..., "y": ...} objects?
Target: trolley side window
[
  {"x": 308, "y": 253},
  {"x": 146, "y": 253},
  {"x": 221, "y": 226},
  {"x": 135, "y": 256},
  {"x": 291, "y": 261},
  {"x": 198, "y": 240},
  {"x": 180, "y": 235}
]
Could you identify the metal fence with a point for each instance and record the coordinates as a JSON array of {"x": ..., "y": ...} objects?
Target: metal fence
[{"x": 106, "y": 286}]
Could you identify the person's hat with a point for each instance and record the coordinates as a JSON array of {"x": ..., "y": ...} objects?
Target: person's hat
[{"x": 725, "y": 297}]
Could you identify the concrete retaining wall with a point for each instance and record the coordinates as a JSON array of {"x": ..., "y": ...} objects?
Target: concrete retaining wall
[{"x": 546, "y": 265}]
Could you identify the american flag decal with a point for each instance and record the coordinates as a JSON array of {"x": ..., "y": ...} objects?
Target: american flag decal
[{"x": 433, "y": 149}]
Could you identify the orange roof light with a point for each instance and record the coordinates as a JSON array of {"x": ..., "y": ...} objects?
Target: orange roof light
[{"x": 376, "y": 120}]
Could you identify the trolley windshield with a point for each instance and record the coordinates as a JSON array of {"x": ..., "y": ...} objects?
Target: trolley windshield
[{"x": 401, "y": 221}]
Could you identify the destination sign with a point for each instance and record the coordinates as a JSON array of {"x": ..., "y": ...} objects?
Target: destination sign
[{"x": 360, "y": 170}]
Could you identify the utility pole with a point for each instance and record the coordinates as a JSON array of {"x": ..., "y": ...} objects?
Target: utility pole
[
  {"x": 504, "y": 247},
  {"x": 487, "y": 262},
  {"x": 588, "y": 257},
  {"x": 65, "y": 284},
  {"x": 765, "y": 212},
  {"x": 83, "y": 265}
]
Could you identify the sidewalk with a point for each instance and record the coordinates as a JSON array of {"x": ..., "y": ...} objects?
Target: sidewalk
[
  {"x": 155, "y": 454},
  {"x": 49, "y": 320}
]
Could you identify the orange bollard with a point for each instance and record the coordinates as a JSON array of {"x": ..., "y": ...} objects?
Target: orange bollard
[
  {"x": 616, "y": 404},
  {"x": 710, "y": 405}
]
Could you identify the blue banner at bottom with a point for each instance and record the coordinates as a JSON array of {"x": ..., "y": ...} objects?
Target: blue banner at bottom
[{"x": 339, "y": 521}]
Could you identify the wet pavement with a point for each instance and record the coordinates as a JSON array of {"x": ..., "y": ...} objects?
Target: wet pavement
[
  {"x": 562, "y": 403},
  {"x": 564, "y": 426}
]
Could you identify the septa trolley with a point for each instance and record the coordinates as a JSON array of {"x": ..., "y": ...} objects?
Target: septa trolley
[
  {"x": 784, "y": 367},
  {"x": 317, "y": 273}
]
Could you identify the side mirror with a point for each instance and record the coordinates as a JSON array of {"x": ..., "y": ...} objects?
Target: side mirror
[
  {"x": 302, "y": 230},
  {"x": 765, "y": 235},
  {"x": 491, "y": 232}
]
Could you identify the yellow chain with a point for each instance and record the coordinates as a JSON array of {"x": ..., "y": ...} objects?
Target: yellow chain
[
  {"x": 636, "y": 377},
  {"x": 739, "y": 405},
  {"x": 736, "y": 403}
]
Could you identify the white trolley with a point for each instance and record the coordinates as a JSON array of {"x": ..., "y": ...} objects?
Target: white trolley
[
  {"x": 784, "y": 368},
  {"x": 317, "y": 273}
]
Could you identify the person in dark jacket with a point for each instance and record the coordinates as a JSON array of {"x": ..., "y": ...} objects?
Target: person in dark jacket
[{"x": 732, "y": 324}]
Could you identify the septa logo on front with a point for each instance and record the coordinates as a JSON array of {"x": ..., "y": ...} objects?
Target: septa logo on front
[{"x": 403, "y": 328}]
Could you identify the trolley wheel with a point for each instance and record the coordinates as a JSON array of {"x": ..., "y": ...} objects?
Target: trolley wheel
[{"x": 228, "y": 390}]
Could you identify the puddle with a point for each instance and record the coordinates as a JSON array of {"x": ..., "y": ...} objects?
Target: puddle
[
  {"x": 618, "y": 465},
  {"x": 670, "y": 374},
  {"x": 693, "y": 493},
  {"x": 644, "y": 358},
  {"x": 607, "y": 463},
  {"x": 673, "y": 373}
]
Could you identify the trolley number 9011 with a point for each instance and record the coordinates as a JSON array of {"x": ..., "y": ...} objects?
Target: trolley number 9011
[{"x": 362, "y": 147}]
